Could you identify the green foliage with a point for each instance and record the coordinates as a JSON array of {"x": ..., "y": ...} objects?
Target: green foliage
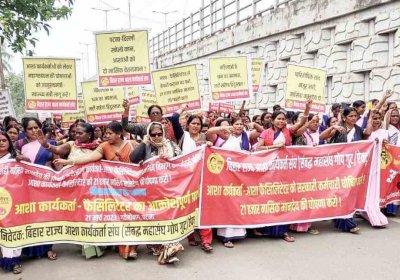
[
  {"x": 20, "y": 19},
  {"x": 15, "y": 84}
]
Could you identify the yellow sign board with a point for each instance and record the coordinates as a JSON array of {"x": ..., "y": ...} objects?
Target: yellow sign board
[
  {"x": 50, "y": 84},
  {"x": 102, "y": 105},
  {"x": 148, "y": 99},
  {"x": 123, "y": 58},
  {"x": 230, "y": 78},
  {"x": 67, "y": 119},
  {"x": 303, "y": 83},
  {"x": 257, "y": 67},
  {"x": 133, "y": 95},
  {"x": 175, "y": 87}
]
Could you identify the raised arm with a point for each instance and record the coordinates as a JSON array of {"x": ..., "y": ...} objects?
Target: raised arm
[
  {"x": 133, "y": 128},
  {"x": 303, "y": 119},
  {"x": 62, "y": 150},
  {"x": 385, "y": 97}
]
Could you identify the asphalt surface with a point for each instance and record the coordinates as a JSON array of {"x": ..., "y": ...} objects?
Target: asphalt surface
[{"x": 372, "y": 254}]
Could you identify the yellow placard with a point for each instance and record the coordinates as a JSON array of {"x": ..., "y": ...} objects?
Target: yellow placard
[
  {"x": 99, "y": 233},
  {"x": 148, "y": 99},
  {"x": 102, "y": 105},
  {"x": 257, "y": 67},
  {"x": 133, "y": 95},
  {"x": 177, "y": 86},
  {"x": 303, "y": 83},
  {"x": 50, "y": 84},
  {"x": 123, "y": 58},
  {"x": 69, "y": 118},
  {"x": 230, "y": 78}
]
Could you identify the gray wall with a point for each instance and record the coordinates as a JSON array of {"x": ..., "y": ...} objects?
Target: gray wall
[{"x": 356, "y": 41}]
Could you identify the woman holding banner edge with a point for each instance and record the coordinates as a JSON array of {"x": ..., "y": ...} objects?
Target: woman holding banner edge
[
  {"x": 232, "y": 138},
  {"x": 30, "y": 150},
  {"x": 11, "y": 258},
  {"x": 278, "y": 136},
  {"x": 188, "y": 141},
  {"x": 114, "y": 149}
]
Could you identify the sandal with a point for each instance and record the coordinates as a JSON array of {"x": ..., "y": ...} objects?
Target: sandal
[
  {"x": 52, "y": 256},
  {"x": 17, "y": 269},
  {"x": 313, "y": 231},
  {"x": 193, "y": 243},
  {"x": 288, "y": 238},
  {"x": 132, "y": 254},
  {"x": 257, "y": 233},
  {"x": 229, "y": 244},
  {"x": 206, "y": 247},
  {"x": 355, "y": 230}
]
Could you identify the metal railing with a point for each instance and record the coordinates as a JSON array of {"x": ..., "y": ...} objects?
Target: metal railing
[{"x": 210, "y": 19}]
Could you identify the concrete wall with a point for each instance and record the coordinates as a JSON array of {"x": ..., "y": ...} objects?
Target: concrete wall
[{"x": 356, "y": 41}]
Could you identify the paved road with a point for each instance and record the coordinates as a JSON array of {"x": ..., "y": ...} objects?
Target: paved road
[{"x": 372, "y": 254}]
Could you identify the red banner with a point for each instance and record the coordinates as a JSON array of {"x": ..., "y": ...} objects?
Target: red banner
[
  {"x": 284, "y": 186},
  {"x": 100, "y": 203},
  {"x": 390, "y": 181}
]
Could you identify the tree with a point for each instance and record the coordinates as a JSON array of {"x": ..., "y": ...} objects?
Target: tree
[
  {"x": 20, "y": 19},
  {"x": 6, "y": 57},
  {"x": 15, "y": 84}
]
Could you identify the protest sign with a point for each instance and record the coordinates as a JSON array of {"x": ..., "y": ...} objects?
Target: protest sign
[
  {"x": 148, "y": 99},
  {"x": 303, "y": 83},
  {"x": 230, "y": 78},
  {"x": 175, "y": 87},
  {"x": 50, "y": 84},
  {"x": 67, "y": 119},
  {"x": 133, "y": 95},
  {"x": 101, "y": 203},
  {"x": 6, "y": 104},
  {"x": 257, "y": 68},
  {"x": 102, "y": 105},
  {"x": 389, "y": 175},
  {"x": 221, "y": 107},
  {"x": 284, "y": 186},
  {"x": 123, "y": 58}
]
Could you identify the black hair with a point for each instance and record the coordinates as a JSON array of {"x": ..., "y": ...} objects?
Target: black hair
[
  {"x": 78, "y": 121},
  {"x": 154, "y": 106},
  {"x": 348, "y": 110},
  {"x": 7, "y": 120},
  {"x": 335, "y": 106},
  {"x": 156, "y": 125},
  {"x": 358, "y": 103},
  {"x": 88, "y": 128},
  {"x": 218, "y": 123},
  {"x": 276, "y": 107},
  {"x": 116, "y": 127},
  {"x": 275, "y": 114},
  {"x": 12, "y": 126},
  {"x": 255, "y": 118},
  {"x": 11, "y": 148},
  {"x": 192, "y": 118},
  {"x": 26, "y": 121},
  {"x": 329, "y": 120}
]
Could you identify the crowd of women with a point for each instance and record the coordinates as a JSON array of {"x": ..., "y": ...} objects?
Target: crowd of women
[{"x": 125, "y": 141}]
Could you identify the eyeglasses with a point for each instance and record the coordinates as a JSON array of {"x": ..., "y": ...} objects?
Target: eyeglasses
[
  {"x": 156, "y": 134},
  {"x": 154, "y": 113}
]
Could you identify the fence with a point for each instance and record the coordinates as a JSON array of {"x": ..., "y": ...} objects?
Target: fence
[{"x": 210, "y": 19}]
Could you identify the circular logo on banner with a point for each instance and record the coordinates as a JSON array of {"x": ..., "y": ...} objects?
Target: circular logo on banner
[
  {"x": 104, "y": 82},
  {"x": 215, "y": 163},
  {"x": 91, "y": 118},
  {"x": 5, "y": 203},
  {"x": 216, "y": 96},
  {"x": 31, "y": 104},
  {"x": 386, "y": 158}
]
